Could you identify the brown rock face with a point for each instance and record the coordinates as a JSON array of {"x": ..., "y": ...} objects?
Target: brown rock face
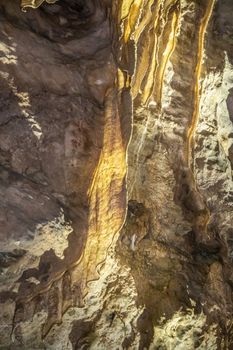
[
  {"x": 62, "y": 160},
  {"x": 92, "y": 90}
]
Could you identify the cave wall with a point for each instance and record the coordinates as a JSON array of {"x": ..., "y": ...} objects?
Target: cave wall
[
  {"x": 91, "y": 92},
  {"x": 177, "y": 236},
  {"x": 62, "y": 160}
]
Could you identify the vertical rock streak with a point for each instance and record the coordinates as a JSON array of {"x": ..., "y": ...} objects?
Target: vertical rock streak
[
  {"x": 197, "y": 86},
  {"x": 141, "y": 65},
  {"x": 147, "y": 89},
  {"x": 205, "y": 217},
  {"x": 106, "y": 195},
  {"x": 170, "y": 47},
  {"x": 153, "y": 25}
]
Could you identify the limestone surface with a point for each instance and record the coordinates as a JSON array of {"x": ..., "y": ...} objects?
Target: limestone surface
[{"x": 116, "y": 163}]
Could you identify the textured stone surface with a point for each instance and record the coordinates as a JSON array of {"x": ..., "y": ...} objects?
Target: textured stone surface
[
  {"x": 176, "y": 236},
  {"x": 62, "y": 161},
  {"x": 80, "y": 267}
]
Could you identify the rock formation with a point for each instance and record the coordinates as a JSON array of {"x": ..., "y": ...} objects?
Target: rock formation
[{"x": 116, "y": 158}]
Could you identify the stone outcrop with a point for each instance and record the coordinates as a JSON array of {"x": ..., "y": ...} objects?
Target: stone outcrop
[{"x": 116, "y": 158}]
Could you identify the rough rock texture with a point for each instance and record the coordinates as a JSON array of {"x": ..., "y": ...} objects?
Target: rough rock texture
[
  {"x": 177, "y": 236},
  {"x": 62, "y": 161},
  {"x": 80, "y": 270}
]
